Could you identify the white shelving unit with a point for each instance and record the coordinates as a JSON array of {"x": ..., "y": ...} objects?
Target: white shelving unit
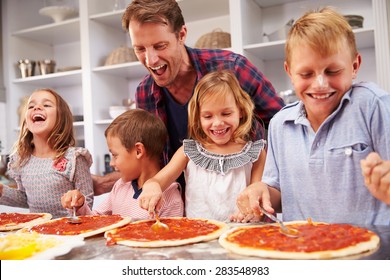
[{"x": 87, "y": 40}]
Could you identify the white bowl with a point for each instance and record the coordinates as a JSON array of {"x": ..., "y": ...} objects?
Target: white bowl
[
  {"x": 115, "y": 111},
  {"x": 355, "y": 21},
  {"x": 58, "y": 13}
]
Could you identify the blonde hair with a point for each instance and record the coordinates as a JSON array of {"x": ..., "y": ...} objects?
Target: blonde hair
[
  {"x": 141, "y": 126},
  {"x": 60, "y": 139},
  {"x": 217, "y": 85},
  {"x": 325, "y": 31}
]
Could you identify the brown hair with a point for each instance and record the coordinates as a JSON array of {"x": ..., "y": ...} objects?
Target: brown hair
[
  {"x": 217, "y": 85},
  {"x": 141, "y": 126},
  {"x": 60, "y": 139},
  {"x": 165, "y": 12},
  {"x": 325, "y": 31}
]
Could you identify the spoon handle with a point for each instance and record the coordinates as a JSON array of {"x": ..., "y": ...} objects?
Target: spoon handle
[{"x": 269, "y": 215}]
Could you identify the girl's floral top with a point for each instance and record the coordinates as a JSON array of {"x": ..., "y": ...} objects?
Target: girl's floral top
[
  {"x": 42, "y": 181},
  {"x": 60, "y": 164}
]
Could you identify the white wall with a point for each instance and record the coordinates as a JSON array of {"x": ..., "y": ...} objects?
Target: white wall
[
  {"x": 2, "y": 92},
  {"x": 2, "y": 126}
]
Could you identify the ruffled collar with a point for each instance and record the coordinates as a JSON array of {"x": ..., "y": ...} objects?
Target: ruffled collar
[{"x": 222, "y": 163}]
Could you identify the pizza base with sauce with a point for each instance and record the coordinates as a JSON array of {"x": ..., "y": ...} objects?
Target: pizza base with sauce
[
  {"x": 89, "y": 226},
  {"x": 14, "y": 221},
  {"x": 315, "y": 241},
  {"x": 181, "y": 231}
]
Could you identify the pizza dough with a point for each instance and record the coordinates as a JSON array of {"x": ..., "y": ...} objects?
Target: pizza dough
[
  {"x": 316, "y": 241},
  {"x": 181, "y": 231},
  {"x": 13, "y": 221},
  {"x": 89, "y": 226}
]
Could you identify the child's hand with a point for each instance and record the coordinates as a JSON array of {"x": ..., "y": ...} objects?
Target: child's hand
[
  {"x": 248, "y": 202},
  {"x": 73, "y": 198},
  {"x": 150, "y": 196},
  {"x": 238, "y": 217},
  {"x": 376, "y": 174}
]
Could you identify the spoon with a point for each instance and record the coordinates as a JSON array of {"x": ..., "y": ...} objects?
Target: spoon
[
  {"x": 159, "y": 226},
  {"x": 289, "y": 232},
  {"x": 74, "y": 219}
]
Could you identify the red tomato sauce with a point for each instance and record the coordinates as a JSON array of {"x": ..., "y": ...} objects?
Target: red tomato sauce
[
  {"x": 88, "y": 223},
  {"x": 178, "y": 229},
  {"x": 17, "y": 218},
  {"x": 320, "y": 237}
]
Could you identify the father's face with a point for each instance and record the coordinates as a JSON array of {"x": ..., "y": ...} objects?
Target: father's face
[{"x": 159, "y": 49}]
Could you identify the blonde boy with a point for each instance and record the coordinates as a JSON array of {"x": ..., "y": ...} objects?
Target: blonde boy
[{"x": 316, "y": 144}]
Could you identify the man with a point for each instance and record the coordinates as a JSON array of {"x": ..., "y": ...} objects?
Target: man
[{"x": 158, "y": 33}]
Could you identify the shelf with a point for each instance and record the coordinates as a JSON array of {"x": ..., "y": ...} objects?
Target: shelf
[
  {"x": 78, "y": 124},
  {"x": 364, "y": 38},
  {"x": 192, "y": 11},
  {"x": 125, "y": 70},
  {"x": 203, "y": 9},
  {"x": 267, "y": 51},
  {"x": 275, "y": 50},
  {"x": 59, "y": 79},
  {"x": 54, "y": 33},
  {"x": 113, "y": 19},
  {"x": 107, "y": 121},
  {"x": 271, "y": 3}
]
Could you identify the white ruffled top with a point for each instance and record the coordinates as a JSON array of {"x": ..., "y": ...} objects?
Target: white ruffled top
[{"x": 213, "y": 181}]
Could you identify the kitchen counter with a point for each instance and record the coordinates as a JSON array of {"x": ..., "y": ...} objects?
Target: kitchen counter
[{"x": 95, "y": 248}]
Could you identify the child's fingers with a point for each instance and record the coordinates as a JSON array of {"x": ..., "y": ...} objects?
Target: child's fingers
[
  {"x": 243, "y": 203},
  {"x": 378, "y": 174},
  {"x": 254, "y": 204},
  {"x": 152, "y": 204},
  {"x": 77, "y": 199},
  {"x": 66, "y": 200},
  {"x": 144, "y": 203},
  {"x": 368, "y": 164}
]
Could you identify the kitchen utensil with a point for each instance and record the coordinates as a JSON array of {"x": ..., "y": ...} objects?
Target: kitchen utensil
[
  {"x": 78, "y": 118},
  {"x": 289, "y": 232},
  {"x": 46, "y": 66},
  {"x": 74, "y": 219},
  {"x": 355, "y": 21},
  {"x": 159, "y": 226},
  {"x": 27, "y": 67}
]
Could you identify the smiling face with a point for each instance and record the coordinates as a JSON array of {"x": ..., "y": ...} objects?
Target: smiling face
[
  {"x": 41, "y": 114},
  {"x": 219, "y": 118},
  {"x": 159, "y": 49},
  {"x": 320, "y": 81}
]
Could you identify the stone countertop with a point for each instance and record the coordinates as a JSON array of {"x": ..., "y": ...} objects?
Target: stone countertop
[{"x": 95, "y": 248}]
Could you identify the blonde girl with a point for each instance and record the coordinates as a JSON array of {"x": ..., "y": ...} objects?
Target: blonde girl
[
  {"x": 219, "y": 160},
  {"x": 44, "y": 163}
]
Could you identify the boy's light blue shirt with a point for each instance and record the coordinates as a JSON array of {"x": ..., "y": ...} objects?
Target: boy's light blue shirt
[{"x": 319, "y": 174}]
